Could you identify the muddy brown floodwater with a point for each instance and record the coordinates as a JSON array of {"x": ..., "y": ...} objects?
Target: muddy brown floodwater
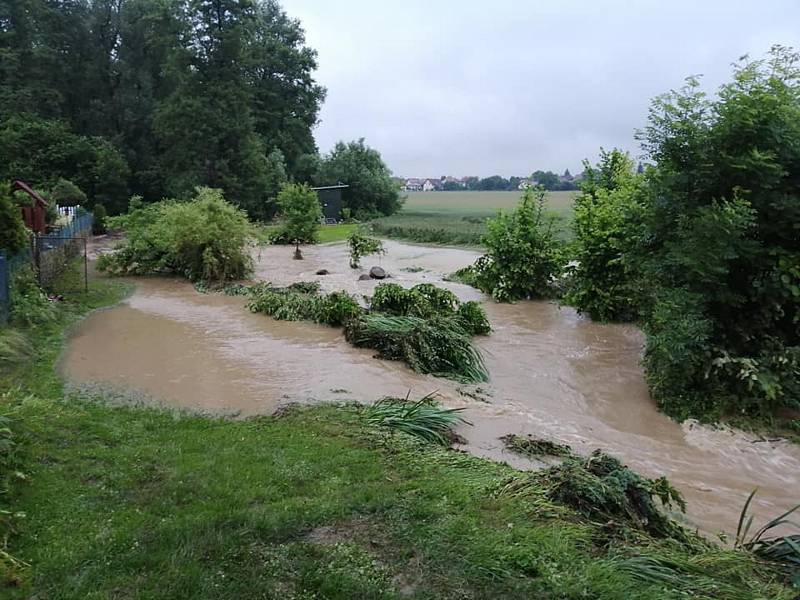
[{"x": 553, "y": 374}]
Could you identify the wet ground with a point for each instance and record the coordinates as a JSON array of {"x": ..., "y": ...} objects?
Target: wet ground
[{"x": 553, "y": 374}]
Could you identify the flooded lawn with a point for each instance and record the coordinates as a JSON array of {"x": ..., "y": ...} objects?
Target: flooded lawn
[{"x": 553, "y": 374}]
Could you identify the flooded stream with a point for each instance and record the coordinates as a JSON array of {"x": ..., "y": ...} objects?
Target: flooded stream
[{"x": 553, "y": 374}]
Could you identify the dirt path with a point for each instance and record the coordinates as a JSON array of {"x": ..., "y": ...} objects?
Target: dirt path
[{"x": 553, "y": 374}]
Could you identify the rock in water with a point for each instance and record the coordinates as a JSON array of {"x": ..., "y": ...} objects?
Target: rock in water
[
  {"x": 364, "y": 277},
  {"x": 323, "y": 272},
  {"x": 377, "y": 273}
]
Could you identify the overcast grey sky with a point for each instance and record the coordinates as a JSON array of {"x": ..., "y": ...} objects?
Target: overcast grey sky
[{"x": 506, "y": 87}]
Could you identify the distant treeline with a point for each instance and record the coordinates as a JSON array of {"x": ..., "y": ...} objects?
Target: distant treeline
[{"x": 547, "y": 179}]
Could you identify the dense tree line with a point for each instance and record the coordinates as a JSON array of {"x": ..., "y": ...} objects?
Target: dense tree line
[
  {"x": 155, "y": 97},
  {"x": 548, "y": 180}
]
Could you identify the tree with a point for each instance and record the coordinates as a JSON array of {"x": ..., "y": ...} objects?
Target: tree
[
  {"x": 66, "y": 193},
  {"x": 493, "y": 183},
  {"x": 721, "y": 243},
  {"x": 41, "y": 152},
  {"x": 300, "y": 214},
  {"x": 371, "y": 190},
  {"x": 604, "y": 282}
]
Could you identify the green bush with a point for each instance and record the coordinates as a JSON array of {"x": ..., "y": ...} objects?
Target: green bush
[
  {"x": 603, "y": 284},
  {"x": 300, "y": 213},
  {"x": 425, "y": 301},
  {"x": 66, "y": 193},
  {"x": 300, "y": 302},
  {"x": 361, "y": 245},
  {"x": 99, "y": 215},
  {"x": 522, "y": 253},
  {"x": 29, "y": 304},
  {"x": 205, "y": 239},
  {"x": 13, "y": 235}
]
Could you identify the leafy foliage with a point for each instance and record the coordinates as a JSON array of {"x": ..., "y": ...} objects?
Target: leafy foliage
[
  {"x": 423, "y": 418},
  {"x": 371, "y": 191},
  {"x": 13, "y": 235},
  {"x": 438, "y": 345},
  {"x": 362, "y": 245},
  {"x": 44, "y": 152},
  {"x": 601, "y": 487},
  {"x": 522, "y": 254},
  {"x": 300, "y": 302},
  {"x": 533, "y": 447},
  {"x": 29, "y": 304},
  {"x": 603, "y": 285},
  {"x": 300, "y": 214},
  {"x": 66, "y": 193},
  {"x": 426, "y": 300},
  {"x": 720, "y": 248},
  {"x": 99, "y": 216},
  {"x": 205, "y": 239},
  {"x": 192, "y": 93}
]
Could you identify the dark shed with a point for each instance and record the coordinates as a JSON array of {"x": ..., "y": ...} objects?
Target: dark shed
[{"x": 330, "y": 198}]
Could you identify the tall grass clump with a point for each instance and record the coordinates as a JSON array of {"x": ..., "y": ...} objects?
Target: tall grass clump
[
  {"x": 783, "y": 550},
  {"x": 423, "y": 418},
  {"x": 15, "y": 349},
  {"x": 205, "y": 239},
  {"x": 439, "y": 345}
]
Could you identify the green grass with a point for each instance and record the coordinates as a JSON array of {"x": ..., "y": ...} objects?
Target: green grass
[
  {"x": 458, "y": 218},
  {"x": 325, "y": 234},
  {"x": 125, "y": 502}
]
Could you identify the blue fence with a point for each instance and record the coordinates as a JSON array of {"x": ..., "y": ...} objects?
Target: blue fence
[{"x": 41, "y": 245}]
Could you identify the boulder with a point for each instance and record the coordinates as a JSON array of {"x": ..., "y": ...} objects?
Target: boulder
[
  {"x": 377, "y": 273},
  {"x": 323, "y": 272},
  {"x": 364, "y": 277}
]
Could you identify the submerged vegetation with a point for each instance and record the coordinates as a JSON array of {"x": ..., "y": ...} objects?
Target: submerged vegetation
[
  {"x": 426, "y": 326},
  {"x": 534, "y": 447},
  {"x": 438, "y": 345},
  {"x": 301, "y": 302},
  {"x": 205, "y": 239}
]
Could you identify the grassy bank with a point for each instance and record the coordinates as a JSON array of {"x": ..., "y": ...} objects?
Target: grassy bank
[
  {"x": 459, "y": 218},
  {"x": 314, "y": 503},
  {"x": 325, "y": 234}
]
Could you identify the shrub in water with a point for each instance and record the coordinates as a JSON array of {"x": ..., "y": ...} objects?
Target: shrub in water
[
  {"x": 295, "y": 304},
  {"x": 361, "y": 245},
  {"x": 522, "y": 253},
  {"x": 438, "y": 345},
  {"x": 204, "y": 239}
]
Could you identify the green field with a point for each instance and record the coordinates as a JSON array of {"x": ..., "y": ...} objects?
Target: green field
[{"x": 459, "y": 217}]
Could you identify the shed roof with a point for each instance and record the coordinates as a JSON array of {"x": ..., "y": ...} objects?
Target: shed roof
[{"x": 330, "y": 187}]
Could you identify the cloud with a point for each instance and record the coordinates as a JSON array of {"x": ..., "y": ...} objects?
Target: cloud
[{"x": 507, "y": 87}]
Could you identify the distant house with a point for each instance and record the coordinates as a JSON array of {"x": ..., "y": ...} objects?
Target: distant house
[
  {"x": 413, "y": 185},
  {"x": 431, "y": 185},
  {"x": 527, "y": 183}
]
